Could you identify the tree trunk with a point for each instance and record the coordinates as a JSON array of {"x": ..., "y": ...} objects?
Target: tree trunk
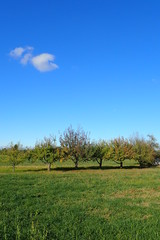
[
  {"x": 100, "y": 163},
  {"x": 141, "y": 165},
  {"x": 13, "y": 167},
  {"x": 49, "y": 167},
  {"x": 121, "y": 164},
  {"x": 76, "y": 164}
]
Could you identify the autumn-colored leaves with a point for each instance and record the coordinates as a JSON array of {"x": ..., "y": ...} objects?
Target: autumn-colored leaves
[{"x": 75, "y": 145}]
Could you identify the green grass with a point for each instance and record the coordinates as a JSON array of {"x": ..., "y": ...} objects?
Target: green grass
[
  {"x": 83, "y": 204},
  {"x": 65, "y": 165}
]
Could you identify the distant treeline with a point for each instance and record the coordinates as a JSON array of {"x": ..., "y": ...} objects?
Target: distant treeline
[{"x": 76, "y": 146}]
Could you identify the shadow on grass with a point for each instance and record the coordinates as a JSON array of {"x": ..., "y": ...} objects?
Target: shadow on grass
[
  {"x": 64, "y": 169},
  {"x": 35, "y": 170},
  {"x": 67, "y": 169}
]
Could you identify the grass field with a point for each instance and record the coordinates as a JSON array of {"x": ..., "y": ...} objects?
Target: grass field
[{"x": 84, "y": 204}]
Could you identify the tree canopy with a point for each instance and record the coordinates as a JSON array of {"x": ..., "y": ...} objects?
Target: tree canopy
[
  {"x": 74, "y": 144},
  {"x": 47, "y": 151}
]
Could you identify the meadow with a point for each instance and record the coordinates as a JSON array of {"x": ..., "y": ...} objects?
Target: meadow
[{"x": 87, "y": 203}]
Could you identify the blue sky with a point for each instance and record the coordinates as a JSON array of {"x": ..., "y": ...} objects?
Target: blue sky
[{"x": 89, "y": 63}]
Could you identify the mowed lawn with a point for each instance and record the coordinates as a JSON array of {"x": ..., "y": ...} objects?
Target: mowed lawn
[{"x": 82, "y": 204}]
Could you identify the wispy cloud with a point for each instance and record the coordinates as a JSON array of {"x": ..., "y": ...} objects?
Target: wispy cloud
[
  {"x": 43, "y": 62},
  {"x": 26, "y": 58},
  {"x": 17, "y": 52}
]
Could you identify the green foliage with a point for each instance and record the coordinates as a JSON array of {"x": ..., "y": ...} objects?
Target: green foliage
[
  {"x": 14, "y": 154},
  {"x": 47, "y": 151},
  {"x": 99, "y": 152},
  {"x": 75, "y": 145},
  {"x": 31, "y": 155},
  {"x": 144, "y": 151},
  {"x": 120, "y": 149}
]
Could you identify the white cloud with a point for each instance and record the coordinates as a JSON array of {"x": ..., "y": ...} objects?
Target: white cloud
[
  {"x": 17, "y": 52},
  {"x": 26, "y": 58},
  {"x": 44, "y": 62},
  {"x": 29, "y": 48}
]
